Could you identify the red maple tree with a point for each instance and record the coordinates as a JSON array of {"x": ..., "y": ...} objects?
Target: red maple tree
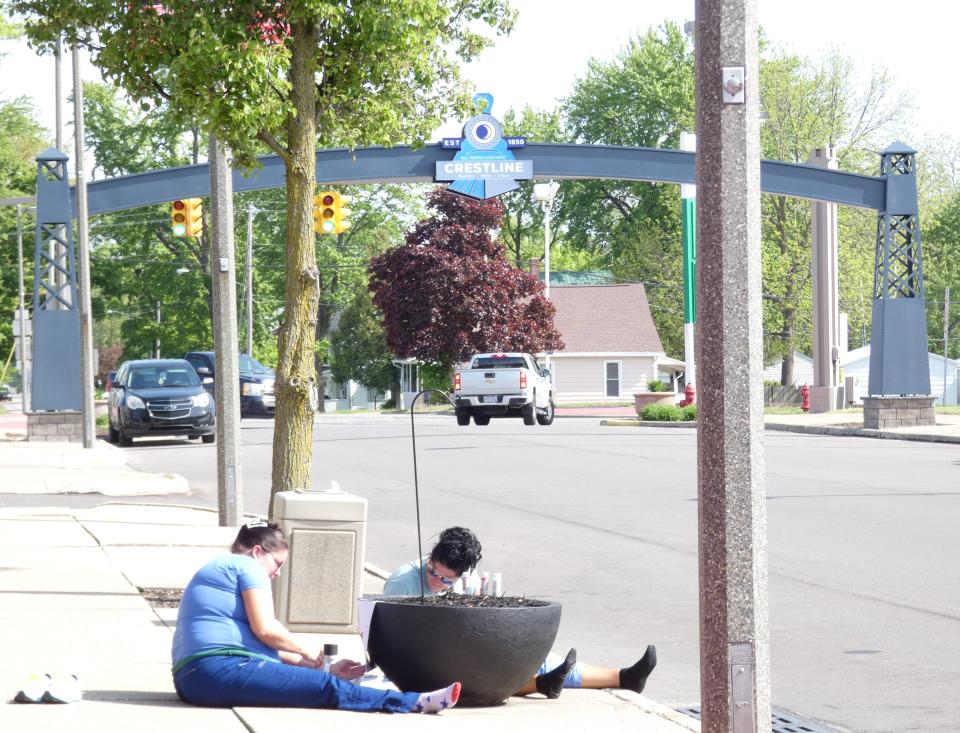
[{"x": 449, "y": 292}]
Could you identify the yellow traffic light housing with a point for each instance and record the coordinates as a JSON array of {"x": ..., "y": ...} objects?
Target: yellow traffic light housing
[
  {"x": 325, "y": 212},
  {"x": 329, "y": 214},
  {"x": 186, "y": 217},
  {"x": 341, "y": 224}
]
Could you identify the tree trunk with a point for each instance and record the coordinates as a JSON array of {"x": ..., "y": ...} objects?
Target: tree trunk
[{"x": 296, "y": 373}]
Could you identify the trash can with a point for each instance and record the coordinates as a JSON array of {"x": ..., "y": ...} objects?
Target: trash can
[{"x": 318, "y": 588}]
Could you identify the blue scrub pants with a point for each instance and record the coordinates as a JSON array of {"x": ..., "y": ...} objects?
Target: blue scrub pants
[{"x": 220, "y": 681}]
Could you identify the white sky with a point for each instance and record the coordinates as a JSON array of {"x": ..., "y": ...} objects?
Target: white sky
[{"x": 554, "y": 39}]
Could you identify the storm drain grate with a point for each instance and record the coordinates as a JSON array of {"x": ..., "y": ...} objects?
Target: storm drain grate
[{"x": 781, "y": 721}]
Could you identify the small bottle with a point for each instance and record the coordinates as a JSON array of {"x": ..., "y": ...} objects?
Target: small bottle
[
  {"x": 496, "y": 588},
  {"x": 475, "y": 582},
  {"x": 484, "y": 584},
  {"x": 329, "y": 655},
  {"x": 458, "y": 586}
]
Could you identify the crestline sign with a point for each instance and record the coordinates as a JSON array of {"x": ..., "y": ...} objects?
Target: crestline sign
[
  {"x": 460, "y": 170},
  {"x": 483, "y": 167}
]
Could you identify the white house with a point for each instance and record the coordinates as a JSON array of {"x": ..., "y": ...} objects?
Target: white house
[
  {"x": 802, "y": 370},
  {"x": 612, "y": 348},
  {"x": 856, "y": 363}
]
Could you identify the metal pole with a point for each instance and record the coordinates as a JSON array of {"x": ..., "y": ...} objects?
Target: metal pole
[
  {"x": 249, "y": 279},
  {"x": 227, "y": 384},
  {"x": 87, "y": 415},
  {"x": 58, "y": 56},
  {"x": 56, "y": 278},
  {"x": 546, "y": 247},
  {"x": 156, "y": 343},
  {"x": 946, "y": 341},
  {"x": 25, "y": 373},
  {"x": 688, "y": 217}
]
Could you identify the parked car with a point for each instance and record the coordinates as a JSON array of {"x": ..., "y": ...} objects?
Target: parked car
[
  {"x": 503, "y": 385},
  {"x": 160, "y": 397},
  {"x": 256, "y": 381},
  {"x": 4, "y": 392}
]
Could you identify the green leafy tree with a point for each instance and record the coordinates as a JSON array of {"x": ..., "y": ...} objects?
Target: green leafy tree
[
  {"x": 359, "y": 346},
  {"x": 23, "y": 138},
  {"x": 642, "y": 97},
  {"x": 522, "y": 229},
  {"x": 817, "y": 105},
  {"x": 941, "y": 267},
  {"x": 287, "y": 75}
]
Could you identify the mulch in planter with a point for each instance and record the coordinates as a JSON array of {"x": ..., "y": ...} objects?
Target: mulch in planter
[{"x": 458, "y": 600}]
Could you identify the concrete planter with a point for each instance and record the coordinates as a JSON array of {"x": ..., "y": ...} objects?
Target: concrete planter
[
  {"x": 642, "y": 399},
  {"x": 492, "y": 651}
]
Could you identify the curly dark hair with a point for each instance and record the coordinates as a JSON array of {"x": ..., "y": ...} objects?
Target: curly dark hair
[
  {"x": 458, "y": 548},
  {"x": 266, "y": 534}
]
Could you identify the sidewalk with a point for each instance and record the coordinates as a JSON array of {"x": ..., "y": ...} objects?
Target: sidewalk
[
  {"x": 72, "y": 604},
  {"x": 845, "y": 423}
]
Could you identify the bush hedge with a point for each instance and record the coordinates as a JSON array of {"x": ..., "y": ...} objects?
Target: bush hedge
[{"x": 669, "y": 413}]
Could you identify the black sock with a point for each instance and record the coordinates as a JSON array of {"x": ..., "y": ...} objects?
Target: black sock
[
  {"x": 635, "y": 677},
  {"x": 551, "y": 683}
]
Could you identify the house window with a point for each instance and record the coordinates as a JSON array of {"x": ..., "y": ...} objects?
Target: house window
[{"x": 611, "y": 371}]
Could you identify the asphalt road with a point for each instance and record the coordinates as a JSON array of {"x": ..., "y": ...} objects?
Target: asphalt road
[{"x": 864, "y": 590}]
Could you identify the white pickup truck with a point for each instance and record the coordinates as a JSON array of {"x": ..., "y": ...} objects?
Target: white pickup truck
[{"x": 503, "y": 385}]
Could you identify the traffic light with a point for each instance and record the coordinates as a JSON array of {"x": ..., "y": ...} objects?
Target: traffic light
[
  {"x": 329, "y": 214},
  {"x": 324, "y": 212},
  {"x": 186, "y": 217}
]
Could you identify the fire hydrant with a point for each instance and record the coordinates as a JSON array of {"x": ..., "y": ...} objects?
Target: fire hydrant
[
  {"x": 805, "y": 398},
  {"x": 688, "y": 395}
]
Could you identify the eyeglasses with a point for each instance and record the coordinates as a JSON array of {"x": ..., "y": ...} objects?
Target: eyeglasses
[
  {"x": 442, "y": 578},
  {"x": 277, "y": 563}
]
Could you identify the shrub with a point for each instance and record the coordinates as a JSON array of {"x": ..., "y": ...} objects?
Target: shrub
[
  {"x": 689, "y": 413},
  {"x": 390, "y": 404},
  {"x": 657, "y": 385},
  {"x": 663, "y": 413}
]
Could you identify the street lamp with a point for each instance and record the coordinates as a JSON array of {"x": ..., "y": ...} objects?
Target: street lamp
[{"x": 545, "y": 193}]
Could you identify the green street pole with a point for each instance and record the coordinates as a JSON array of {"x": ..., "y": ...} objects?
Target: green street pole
[{"x": 688, "y": 220}]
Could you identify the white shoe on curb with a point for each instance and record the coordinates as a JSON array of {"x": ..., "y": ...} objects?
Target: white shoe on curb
[
  {"x": 34, "y": 689},
  {"x": 63, "y": 689}
]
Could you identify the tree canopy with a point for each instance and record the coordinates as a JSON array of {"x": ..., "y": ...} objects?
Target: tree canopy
[
  {"x": 286, "y": 76},
  {"x": 449, "y": 291}
]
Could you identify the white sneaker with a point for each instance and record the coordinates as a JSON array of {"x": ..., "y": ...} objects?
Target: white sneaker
[
  {"x": 63, "y": 689},
  {"x": 34, "y": 689}
]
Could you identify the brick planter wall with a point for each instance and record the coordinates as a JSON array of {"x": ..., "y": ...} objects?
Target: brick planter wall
[
  {"x": 642, "y": 399},
  {"x": 55, "y": 427},
  {"x": 898, "y": 412}
]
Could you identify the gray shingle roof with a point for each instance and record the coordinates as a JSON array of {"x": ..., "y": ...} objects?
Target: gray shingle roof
[{"x": 608, "y": 318}]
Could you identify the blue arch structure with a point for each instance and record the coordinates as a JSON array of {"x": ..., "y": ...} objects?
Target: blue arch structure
[
  {"x": 403, "y": 164},
  {"x": 899, "y": 324}
]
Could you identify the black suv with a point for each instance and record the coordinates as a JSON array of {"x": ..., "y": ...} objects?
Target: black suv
[
  {"x": 256, "y": 381},
  {"x": 159, "y": 397}
]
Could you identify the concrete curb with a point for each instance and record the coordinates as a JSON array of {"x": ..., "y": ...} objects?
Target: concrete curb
[
  {"x": 637, "y": 422},
  {"x": 662, "y": 711},
  {"x": 807, "y": 429},
  {"x": 862, "y": 433}
]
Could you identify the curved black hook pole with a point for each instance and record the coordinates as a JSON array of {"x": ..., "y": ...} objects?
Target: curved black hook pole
[{"x": 416, "y": 486}]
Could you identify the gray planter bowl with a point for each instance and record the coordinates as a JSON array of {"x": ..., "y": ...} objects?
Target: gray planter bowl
[{"x": 492, "y": 651}]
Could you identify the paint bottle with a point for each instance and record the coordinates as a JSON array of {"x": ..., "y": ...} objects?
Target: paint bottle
[
  {"x": 484, "y": 584},
  {"x": 496, "y": 588},
  {"x": 460, "y": 584}
]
